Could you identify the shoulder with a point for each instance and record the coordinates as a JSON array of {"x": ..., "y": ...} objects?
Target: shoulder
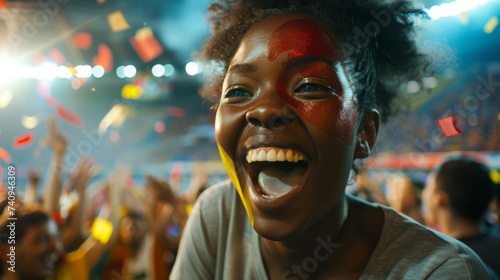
[{"x": 407, "y": 248}]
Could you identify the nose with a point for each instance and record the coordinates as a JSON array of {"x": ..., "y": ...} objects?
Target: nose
[{"x": 271, "y": 113}]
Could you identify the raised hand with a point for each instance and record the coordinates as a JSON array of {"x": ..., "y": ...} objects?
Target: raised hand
[
  {"x": 161, "y": 190},
  {"x": 55, "y": 140},
  {"x": 83, "y": 172}
]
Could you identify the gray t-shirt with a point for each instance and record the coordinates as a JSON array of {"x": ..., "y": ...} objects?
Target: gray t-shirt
[{"x": 220, "y": 243}]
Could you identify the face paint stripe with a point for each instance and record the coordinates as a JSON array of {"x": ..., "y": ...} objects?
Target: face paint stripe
[
  {"x": 245, "y": 196},
  {"x": 303, "y": 38}
]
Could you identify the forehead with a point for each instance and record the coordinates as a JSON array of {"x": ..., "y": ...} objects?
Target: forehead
[
  {"x": 34, "y": 231},
  {"x": 293, "y": 33}
]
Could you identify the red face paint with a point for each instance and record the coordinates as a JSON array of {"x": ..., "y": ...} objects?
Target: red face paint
[
  {"x": 24, "y": 139},
  {"x": 303, "y": 38}
]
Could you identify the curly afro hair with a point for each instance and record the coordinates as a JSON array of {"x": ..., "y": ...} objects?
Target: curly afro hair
[{"x": 377, "y": 40}]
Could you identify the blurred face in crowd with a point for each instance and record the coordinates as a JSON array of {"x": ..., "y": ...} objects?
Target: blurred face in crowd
[
  {"x": 36, "y": 252},
  {"x": 287, "y": 124},
  {"x": 132, "y": 230}
]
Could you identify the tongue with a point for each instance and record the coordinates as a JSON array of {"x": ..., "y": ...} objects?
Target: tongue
[{"x": 275, "y": 181}]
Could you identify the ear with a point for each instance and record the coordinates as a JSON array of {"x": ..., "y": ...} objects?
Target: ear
[
  {"x": 442, "y": 199},
  {"x": 367, "y": 133}
]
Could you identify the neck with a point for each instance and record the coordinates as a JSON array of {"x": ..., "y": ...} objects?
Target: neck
[
  {"x": 459, "y": 228},
  {"x": 319, "y": 242}
]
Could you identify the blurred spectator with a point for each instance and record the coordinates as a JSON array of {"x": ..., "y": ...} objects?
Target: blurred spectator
[
  {"x": 496, "y": 209},
  {"x": 404, "y": 195},
  {"x": 365, "y": 188},
  {"x": 456, "y": 197}
]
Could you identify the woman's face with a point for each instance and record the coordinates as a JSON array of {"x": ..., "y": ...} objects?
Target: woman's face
[{"x": 287, "y": 125}]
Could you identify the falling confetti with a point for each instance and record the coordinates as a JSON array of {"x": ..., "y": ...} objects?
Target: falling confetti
[
  {"x": 5, "y": 98},
  {"x": 82, "y": 40},
  {"x": 24, "y": 140},
  {"x": 115, "y": 117},
  {"x": 464, "y": 18},
  {"x": 177, "y": 112},
  {"x": 448, "y": 126},
  {"x": 131, "y": 92},
  {"x": 117, "y": 22},
  {"x": 69, "y": 116},
  {"x": 159, "y": 127},
  {"x": 101, "y": 1},
  {"x": 146, "y": 45},
  {"x": 56, "y": 56},
  {"x": 491, "y": 25},
  {"x": 104, "y": 58},
  {"x": 39, "y": 58},
  {"x": 29, "y": 122},
  {"x": 114, "y": 136},
  {"x": 5, "y": 156}
]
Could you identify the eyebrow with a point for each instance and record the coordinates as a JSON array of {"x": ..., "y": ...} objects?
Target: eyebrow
[
  {"x": 241, "y": 68},
  {"x": 309, "y": 59}
]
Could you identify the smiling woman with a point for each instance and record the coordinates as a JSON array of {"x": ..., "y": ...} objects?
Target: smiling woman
[{"x": 304, "y": 89}]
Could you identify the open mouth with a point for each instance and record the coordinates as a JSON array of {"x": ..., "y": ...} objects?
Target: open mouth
[{"x": 276, "y": 171}]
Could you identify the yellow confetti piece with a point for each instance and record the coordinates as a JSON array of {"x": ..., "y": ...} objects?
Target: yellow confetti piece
[
  {"x": 491, "y": 25},
  {"x": 188, "y": 209},
  {"x": 101, "y": 1},
  {"x": 498, "y": 117},
  {"x": 131, "y": 92},
  {"x": 495, "y": 176},
  {"x": 101, "y": 230},
  {"x": 231, "y": 171},
  {"x": 117, "y": 22},
  {"x": 464, "y": 18}
]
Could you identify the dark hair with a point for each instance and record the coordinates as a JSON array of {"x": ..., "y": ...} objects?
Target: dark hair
[
  {"x": 27, "y": 217},
  {"x": 377, "y": 41},
  {"x": 468, "y": 186}
]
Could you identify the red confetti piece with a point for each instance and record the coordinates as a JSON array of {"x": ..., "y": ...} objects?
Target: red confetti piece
[
  {"x": 69, "y": 116},
  {"x": 3, "y": 4},
  {"x": 50, "y": 100},
  {"x": 56, "y": 56},
  {"x": 449, "y": 126},
  {"x": 5, "y": 156},
  {"x": 24, "y": 140},
  {"x": 104, "y": 58},
  {"x": 146, "y": 45},
  {"x": 177, "y": 112},
  {"x": 82, "y": 40},
  {"x": 39, "y": 58}
]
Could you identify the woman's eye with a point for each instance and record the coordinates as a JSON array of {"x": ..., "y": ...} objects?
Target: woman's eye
[
  {"x": 313, "y": 91},
  {"x": 237, "y": 92},
  {"x": 311, "y": 87}
]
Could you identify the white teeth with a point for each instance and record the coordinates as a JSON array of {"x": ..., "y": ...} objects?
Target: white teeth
[
  {"x": 262, "y": 155},
  {"x": 281, "y": 156},
  {"x": 273, "y": 154}
]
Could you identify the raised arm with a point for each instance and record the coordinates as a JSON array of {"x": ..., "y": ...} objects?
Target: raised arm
[
  {"x": 93, "y": 248},
  {"x": 33, "y": 179},
  {"x": 80, "y": 177},
  {"x": 53, "y": 182}
]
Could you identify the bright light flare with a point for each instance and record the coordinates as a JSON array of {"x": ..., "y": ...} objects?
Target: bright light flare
[{"x": 192, "y": 68}]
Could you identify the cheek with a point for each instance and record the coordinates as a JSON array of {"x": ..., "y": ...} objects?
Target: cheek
[{"x": 228, "y": 122}]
